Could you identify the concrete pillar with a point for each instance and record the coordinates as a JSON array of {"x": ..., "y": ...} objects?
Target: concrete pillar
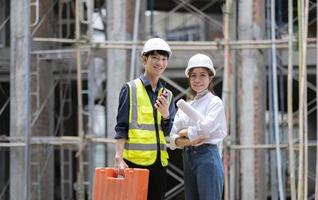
[
  {"x": 20, "y": 100},
  {"x": 116, "y": 66},
  {"x": 251, "y": 99}
]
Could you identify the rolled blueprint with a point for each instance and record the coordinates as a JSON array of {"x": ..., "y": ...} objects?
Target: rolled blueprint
[{"x": 189, "y": 110}]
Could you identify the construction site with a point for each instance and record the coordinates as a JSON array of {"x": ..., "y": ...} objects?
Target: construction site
[{"x": 64, "y": 62}]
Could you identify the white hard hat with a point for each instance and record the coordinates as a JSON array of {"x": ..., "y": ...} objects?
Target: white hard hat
[
  {"x": 200, "y": 60},
  {"x": 156, "y": 44}
]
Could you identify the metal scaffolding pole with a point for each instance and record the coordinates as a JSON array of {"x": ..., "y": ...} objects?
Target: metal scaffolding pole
[
  {"x": 227, "y": 90},
  {"x": 184, "y": 45},
  {"x": 290, "y": 102},
  {"x": 80, "y": 173},
  {"x": 74, "y": 141},
  {"x": 234, "y": 158},
  {"x": 303, "y": 143},
  {"x": 316, "y": 182},
  {"x": 305, "y": 28},
  {"x": 275, "y": 102}
]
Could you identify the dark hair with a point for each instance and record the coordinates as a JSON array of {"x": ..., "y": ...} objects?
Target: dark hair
[
  {"x": 161, "y": 52},
  {"x": 193, "y": 93}
]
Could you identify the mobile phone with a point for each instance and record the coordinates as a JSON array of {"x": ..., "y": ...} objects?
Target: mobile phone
[{"x": 163, "y": 92}]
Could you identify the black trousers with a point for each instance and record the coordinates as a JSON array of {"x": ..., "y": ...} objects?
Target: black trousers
[{"x": 157, "y": 179}]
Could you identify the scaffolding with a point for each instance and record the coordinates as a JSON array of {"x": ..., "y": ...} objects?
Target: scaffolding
[{"x": 72, "y": 61}]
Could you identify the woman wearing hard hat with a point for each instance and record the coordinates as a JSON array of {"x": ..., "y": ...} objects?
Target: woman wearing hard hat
[
  {"x": 145, "y": 114},
  {"x": 200, "y": 136}
]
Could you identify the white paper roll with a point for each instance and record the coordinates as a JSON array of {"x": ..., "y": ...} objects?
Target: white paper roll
[{"x": 189, "y": 110}]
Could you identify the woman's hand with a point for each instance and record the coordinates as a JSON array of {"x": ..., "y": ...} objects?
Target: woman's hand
[
  {"x": 182, "y": 142},
  {"x": 183, "y": 139},
  {"x": 183, "y": 133},
  {"x": 199, "y": 140}
]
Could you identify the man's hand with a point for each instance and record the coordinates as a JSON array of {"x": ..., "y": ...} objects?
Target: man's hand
[
  {"x": 120, "y": 166},
  {"x": 162, "y": 105},
  {"x": 119, "y": 163}
]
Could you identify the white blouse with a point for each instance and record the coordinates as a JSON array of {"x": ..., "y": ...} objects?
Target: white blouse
[{"x": 212, "y": 127}]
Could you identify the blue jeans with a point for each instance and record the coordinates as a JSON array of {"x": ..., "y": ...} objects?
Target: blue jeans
[{"x": 203, "y": 173}]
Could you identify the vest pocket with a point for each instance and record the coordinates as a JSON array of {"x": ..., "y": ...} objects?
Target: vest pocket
[{"x": 145, "y": 114}]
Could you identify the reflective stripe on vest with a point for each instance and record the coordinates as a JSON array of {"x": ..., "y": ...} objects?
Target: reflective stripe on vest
[
  {"x": 134, "y": 120},
  {"x": 141, "y": 147}
]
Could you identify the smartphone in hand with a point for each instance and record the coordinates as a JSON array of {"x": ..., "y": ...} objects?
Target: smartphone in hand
[{"x": 163, "y": 93}]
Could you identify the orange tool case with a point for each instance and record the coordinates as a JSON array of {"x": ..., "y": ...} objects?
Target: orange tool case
[{"x": 133, "y": 186}]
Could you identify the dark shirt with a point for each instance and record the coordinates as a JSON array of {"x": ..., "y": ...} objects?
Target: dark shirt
[{"x": 122, "y": 125}]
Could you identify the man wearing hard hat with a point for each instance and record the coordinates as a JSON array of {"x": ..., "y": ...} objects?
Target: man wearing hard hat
[{"x": 145, "y": 115}]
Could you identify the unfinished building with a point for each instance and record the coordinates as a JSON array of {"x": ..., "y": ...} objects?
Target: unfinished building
[{"x": 63, "y": 62}]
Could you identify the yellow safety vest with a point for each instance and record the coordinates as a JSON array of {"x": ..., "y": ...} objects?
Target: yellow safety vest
[{"x": 141, "y": 146}]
